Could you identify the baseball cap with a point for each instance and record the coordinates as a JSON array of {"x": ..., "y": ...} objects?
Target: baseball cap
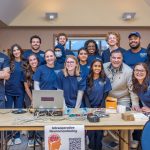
[{"x": 134, "y": 33}]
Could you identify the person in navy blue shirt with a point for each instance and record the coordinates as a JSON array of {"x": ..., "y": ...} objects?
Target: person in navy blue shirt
[
  {"x": 45, "y": 77},
  {"x": 98, "y": 86},
  {"x": 4, "y": 75},
  {"x": 14, "y": 86},
  {"x": 35, "y": 42},
  {"x": 60, "y": 57},
  {"x": 148, "y": 56},
  {"x": 93, "y": 51},
  {"x": 84, "y": 67},
  {"x": 141, "y": 86},
  {"x": 136, "y": 53},
  {"x": 113, "y": 40},
  {"x": 31, "y": 67},
  {"x": 70, "y": 81},
  {"x": 62, "y": 39}
]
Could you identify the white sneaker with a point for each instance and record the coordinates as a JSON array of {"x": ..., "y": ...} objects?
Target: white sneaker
[
  {"x": 134, "y": 144},
  {"x": 31, "y": 143},
  {"x": 10, "y": 142},
  {"x": 17, "y": 141}
]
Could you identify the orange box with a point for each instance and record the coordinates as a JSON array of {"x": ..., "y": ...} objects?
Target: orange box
[{"x": 111, "y": 103}]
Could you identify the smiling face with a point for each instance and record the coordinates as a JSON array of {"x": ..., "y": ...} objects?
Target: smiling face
[
  {"x": 83, "y": 55},
  {"x": 71, "y": 64},
  {"x": 91, "y": 48},
  {"x": 140, "y": 72},
  {"x": 50, "y": 58},
  {"x": 35, "y": 44},
  {"x": 112, "y": 40},
  {"x": 33, "y": 62},
  {"x": 62, "y": 40},
  {"x": 116, "y": 59},
  {"x": 16, "y": 52},
  {"x": 134, "y": 42},
  {"x": 97, "y": 67}
]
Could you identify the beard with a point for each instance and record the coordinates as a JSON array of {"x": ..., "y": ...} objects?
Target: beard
[
  {"x": 35, "y": 48},
  {"x": 135, "y": 46}
]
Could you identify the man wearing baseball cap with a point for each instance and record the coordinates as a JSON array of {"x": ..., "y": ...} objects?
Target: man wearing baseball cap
[{"x": 136, "y": 53}]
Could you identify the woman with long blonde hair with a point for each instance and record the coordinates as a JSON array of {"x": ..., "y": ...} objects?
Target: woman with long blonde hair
[{"x": 70, "y": 81}]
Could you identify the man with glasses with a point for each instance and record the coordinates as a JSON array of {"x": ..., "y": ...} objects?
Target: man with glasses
[{"x": 136, "y": 53}]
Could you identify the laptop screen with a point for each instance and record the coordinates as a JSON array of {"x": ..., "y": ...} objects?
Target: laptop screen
[{"x": 48, "y": 99}]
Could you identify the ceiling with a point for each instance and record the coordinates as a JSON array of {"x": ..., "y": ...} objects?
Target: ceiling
[{"x": 73, "y": 13}]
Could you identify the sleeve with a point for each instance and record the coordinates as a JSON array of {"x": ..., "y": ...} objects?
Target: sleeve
[
  {"x": 6, "y": 62},
  {"x": 37, "y": 75},
  {"x": 60, "y": 80},
  {"x": 79, "y": 99},
  {"x": 133, "y": 96},
  {"x": 36, "y": 85},
  {"x": 107, "y": 86}
]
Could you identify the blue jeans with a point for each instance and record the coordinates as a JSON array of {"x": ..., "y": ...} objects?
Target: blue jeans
[
  {"x": 2, "y": 104},
  {"x": 14, "y": 101}
]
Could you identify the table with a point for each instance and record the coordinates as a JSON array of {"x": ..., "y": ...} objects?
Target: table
[{"x": 10, "y": 121}]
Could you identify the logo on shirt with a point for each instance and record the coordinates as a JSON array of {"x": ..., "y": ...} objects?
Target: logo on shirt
[
  {"x": 42, "y": 55},
  {"x": 1, "y": 60},
  {"x": 143, "y": 55},
  {"x": 79, "y": 79},
  {"x": 102, "y": 83}
]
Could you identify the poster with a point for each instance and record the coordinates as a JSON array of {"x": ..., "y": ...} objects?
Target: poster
[{"x": 64, "y": 137}]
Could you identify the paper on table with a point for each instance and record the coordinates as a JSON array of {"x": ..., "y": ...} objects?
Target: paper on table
[{"x": 139, "y": 116}]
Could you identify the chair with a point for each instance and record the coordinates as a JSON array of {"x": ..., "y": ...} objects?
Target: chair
[{"x": 145, "y": 139}]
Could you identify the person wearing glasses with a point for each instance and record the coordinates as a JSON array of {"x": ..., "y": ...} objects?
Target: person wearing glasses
[
  {"x": 70, "y": 81},
  {"x": 141, "y": 86},
  {"x": 93, "y": 51}
]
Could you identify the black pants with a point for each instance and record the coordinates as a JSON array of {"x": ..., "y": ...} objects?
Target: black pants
[{"x": 95, "y": 139}]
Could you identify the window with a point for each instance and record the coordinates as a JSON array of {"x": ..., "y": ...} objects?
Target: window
[{"x": 75, "y": 42}]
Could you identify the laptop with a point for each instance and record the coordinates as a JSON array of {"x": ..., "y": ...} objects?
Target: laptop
[{"x": 48, "y": 99}]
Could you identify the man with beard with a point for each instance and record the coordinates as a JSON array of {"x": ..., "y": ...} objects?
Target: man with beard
[
  {"x": 62, "y": 39},
  {"x": 136, "y": 53},
  {"x": 35, "y": 42}
]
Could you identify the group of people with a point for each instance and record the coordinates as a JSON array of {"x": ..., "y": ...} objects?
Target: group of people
[{"x": 86, "y": 80}]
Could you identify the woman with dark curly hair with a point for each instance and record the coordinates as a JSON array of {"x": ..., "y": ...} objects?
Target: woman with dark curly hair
[
  {"x": 14, "y": 86},
  {"x": 98, "y": 86},
  {"x": 93, "y": 51},
  {"x": 141, "y": 86}
]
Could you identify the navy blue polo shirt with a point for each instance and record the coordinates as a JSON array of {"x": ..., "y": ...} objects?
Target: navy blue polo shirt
[
  {"x": 131, "y": 58},
  {"x": 96, "y": 92},
  {"x": 40, "y": 56},
  {"x": 4, "y": 63},
  {"x": 14, "y": 86},
  {"x": 106, "y": 54},
  {"x": 71, "y": 85},
  {"x": 47, "y": 77}
]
